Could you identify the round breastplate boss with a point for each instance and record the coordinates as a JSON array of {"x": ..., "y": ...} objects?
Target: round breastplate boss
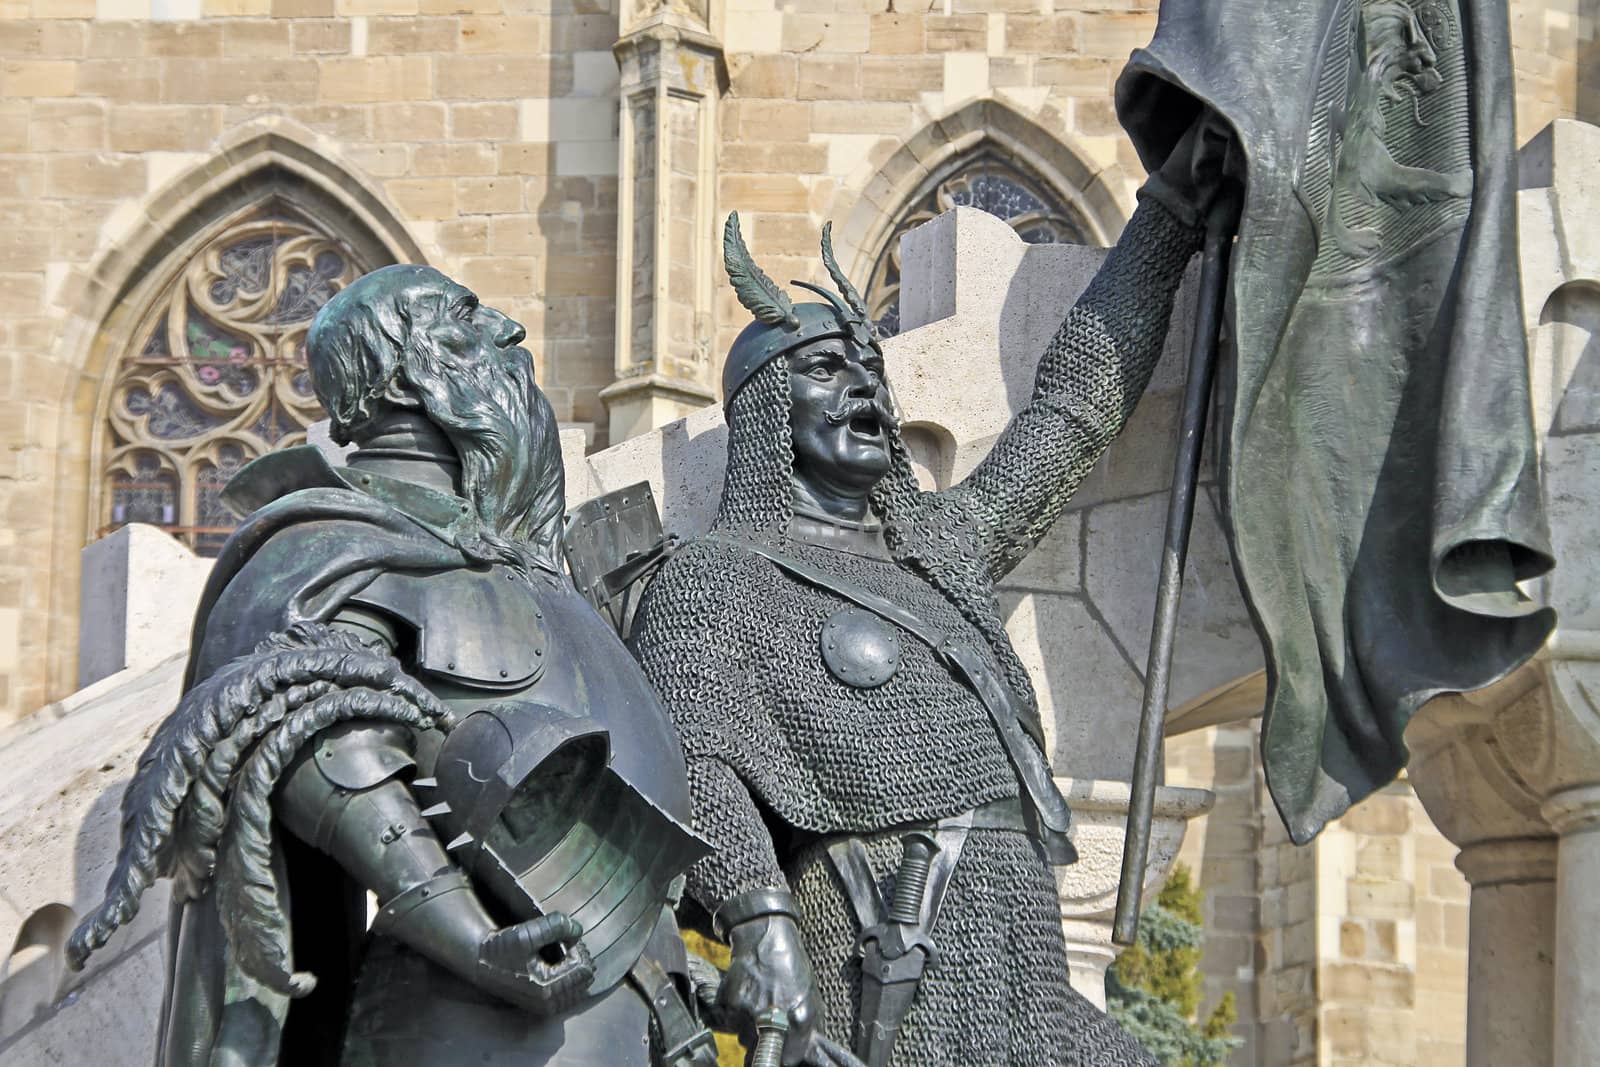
[{"x": 860, "y": 649}]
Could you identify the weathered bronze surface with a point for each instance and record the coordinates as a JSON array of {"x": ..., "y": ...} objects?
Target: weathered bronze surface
[
  {"x": 389, "y": 664},
  {"x": 1381, "y": 479},
  {"x": 861, "y": 736}
]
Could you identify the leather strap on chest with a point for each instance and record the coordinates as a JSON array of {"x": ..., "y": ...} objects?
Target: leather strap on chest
[{"x": 1044, "y": 802}]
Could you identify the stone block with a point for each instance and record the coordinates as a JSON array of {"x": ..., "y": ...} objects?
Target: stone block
[
  {"x": 104, "y": 177},
  {"x": 236, "y": 7},
  {"x": 433, "y": 160},
  {"x": 411, "y": 121},
  {"x": 343, "y": 122},
  {"x": 500, "y": 195},
  {"x": 483, "y": 122},
  {"x": 394, "y": 37},
  {"x": 833, "y": 32},
  {"x": 781, "y": 158},
  {"x": 1053, "y": 35},
  {"x": 1215, "y": 640},
  {"x": 498, "y": 274},
  {"x": 770, "y": 76},
  {"x": 380, "y": 161},
  {"x": 903, "y": 78},
  {"x": 38, "y": 77},
  {"x": 199, "y": 40},
  {"x": 769, "y": 120},
  {"x": 240, "y": 81},
  {"x": 499, "y": 77},
  {"x": 257, "y": 38},
  {"x": 584, "y": 32},
  {"x": 1088, "y": 692},
  {"x": 1380, "y": 858},
  {"x": 896, "y": 33},
  {"x": 163, "y": 129},
  {"x": 424, "y": 198},
  {"x": 14, "y": 126},
  {"x": 597, "y": 158},
  {"x": 375, "y": 7},
  {"x": 366, "y": 79},
  {"x": 1379, "y": 899},
  {"x": 1571, "y": 470},
  {"x": 139, "y": 589},
  {"x": 463, "y": 236},
  {"x": 126, "y": 81},
  {"x": 319, "y": 37},
  {"x": 1076, "y": 76},
  {"x": 581, "y": 276},
  {"x": 526, "y": 158},
  {"x": 825, "y": 78},
  {"x": 763, "y": 192},
  {"x": 834, "y": 116},
  {"x": 68, "y": 125}
]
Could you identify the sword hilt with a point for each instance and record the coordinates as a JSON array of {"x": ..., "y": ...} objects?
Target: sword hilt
[
  {"x": 911, "y": 883},
  {"x": 772, "y": 1032}
]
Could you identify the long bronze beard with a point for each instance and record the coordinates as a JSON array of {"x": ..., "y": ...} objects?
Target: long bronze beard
[{"x": 504, "y": 432}]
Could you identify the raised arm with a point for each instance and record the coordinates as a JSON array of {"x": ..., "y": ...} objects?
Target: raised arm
[{"x": 1093, "y": 372}]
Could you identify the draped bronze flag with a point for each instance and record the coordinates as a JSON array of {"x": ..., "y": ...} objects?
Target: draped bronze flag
[{"x": 1380, "y": 474}]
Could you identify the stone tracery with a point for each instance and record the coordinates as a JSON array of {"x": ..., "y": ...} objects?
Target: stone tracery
[{"x": 216, "y": 375}]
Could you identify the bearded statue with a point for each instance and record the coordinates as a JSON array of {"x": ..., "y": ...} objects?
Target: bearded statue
[
  {"x": 864, "y": 746},
  {"x": 395, "y": 693}
]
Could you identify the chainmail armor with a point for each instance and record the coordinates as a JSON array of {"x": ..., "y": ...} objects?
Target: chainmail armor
[{"x": 780, "y": 752}]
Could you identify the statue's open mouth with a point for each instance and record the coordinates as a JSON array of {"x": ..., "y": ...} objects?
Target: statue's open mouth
[
  {"x": 863, "y": 418},
  {"x": 866, "y": 424}
]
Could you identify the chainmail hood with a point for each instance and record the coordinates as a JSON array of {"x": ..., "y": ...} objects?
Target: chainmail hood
[{"x": 930, "y": 534}]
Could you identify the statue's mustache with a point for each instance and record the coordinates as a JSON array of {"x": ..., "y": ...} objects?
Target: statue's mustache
[{"x": 858, "y": 406}]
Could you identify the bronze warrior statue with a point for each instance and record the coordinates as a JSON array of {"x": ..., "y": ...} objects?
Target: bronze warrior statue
[
  {"x": 394, "y": 690},
  {"x": 863, "y": 743}
]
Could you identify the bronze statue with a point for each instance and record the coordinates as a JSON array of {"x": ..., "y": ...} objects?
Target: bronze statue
[
  {"x": 863, "y": 744},
  {"x": 389, "y": 665}
]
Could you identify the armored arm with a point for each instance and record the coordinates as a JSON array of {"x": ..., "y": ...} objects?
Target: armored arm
[
  {"x": 344, "y": 794},
  {"x": 1093, "y": 372},
  {"x": 751, "y": 908}
]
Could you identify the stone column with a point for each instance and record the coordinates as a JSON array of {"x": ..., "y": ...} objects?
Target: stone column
[
  {"x": 1575, "y": 815},
  {"x": 1558, "y": 753},
  {"x": 1511, "y": 932},
  {"x": 671, "y": 78},
  {"x": 1482, "y": 805},
  {"x": 1089, "y": 887}
]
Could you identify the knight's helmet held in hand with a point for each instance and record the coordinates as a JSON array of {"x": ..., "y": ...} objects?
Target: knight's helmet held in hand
[{"x": 781, "y": 325}]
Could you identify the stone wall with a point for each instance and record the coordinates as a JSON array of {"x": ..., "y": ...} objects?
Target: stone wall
[
  {"x": 475, "y": 135},
  {"x": 1350, "y": 950},
  {"x": 481, "y": 136}
]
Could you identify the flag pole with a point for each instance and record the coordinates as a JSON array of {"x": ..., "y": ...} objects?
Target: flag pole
[{"x": 1220, "y": 224}]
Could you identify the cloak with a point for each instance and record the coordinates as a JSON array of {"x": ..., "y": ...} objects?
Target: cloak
[
  {"x": 1380, "y": 476},
  {"x": 313, "y": 542}
]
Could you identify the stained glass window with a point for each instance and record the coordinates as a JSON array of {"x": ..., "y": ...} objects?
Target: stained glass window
[
  {"x": 217, "y": 374},
  {"x": 986, "y": 181}
]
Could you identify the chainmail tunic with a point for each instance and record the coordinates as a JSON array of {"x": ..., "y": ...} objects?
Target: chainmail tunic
[{"x": 780, "y": 752}]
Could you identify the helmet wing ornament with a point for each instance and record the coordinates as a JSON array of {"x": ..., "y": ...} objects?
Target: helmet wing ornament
[
  {"x": 851, "y": 295},
  {"x": 758, "y": 293}
]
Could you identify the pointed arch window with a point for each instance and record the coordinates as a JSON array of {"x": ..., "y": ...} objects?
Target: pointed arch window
[
  {"x": 215, "y": 375},
  {"x": 989, "y": 181}
]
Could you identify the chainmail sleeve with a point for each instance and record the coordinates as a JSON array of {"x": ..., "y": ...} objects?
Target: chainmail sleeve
[
  {"x": 691, "y": 653},
  {"x": 1092, "y": 374},
  {"x": 726, "y": 815}
]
